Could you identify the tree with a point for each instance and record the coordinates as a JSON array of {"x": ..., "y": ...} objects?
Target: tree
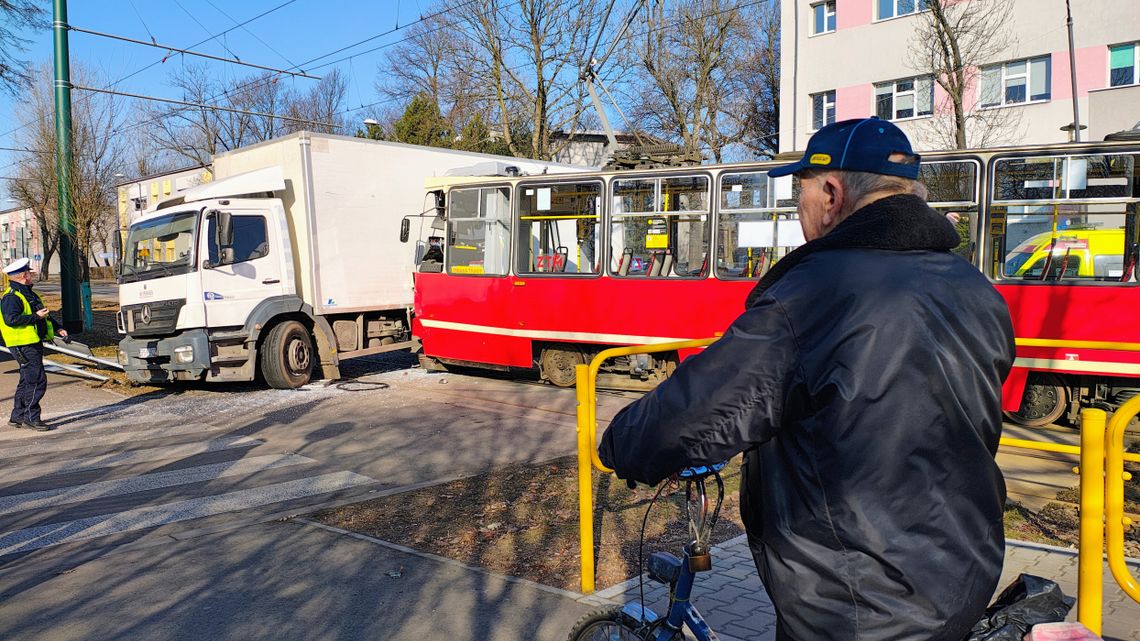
[
  {"x": 708, "y": 76},
  {"x": 954, "y": 39},
  {"x": 97, "y": 157},
  {"x": 422, "y": 124},
  {"x": 257, "y": 108},
  {"x": 514, "y": 62},
  {"x": 14, "y": 15}
]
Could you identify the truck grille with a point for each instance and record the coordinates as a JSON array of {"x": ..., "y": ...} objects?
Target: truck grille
[{"x": 152, "y": 319}]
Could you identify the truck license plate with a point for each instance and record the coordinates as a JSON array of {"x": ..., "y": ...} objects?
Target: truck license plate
[{"x": 148, "y": 352}]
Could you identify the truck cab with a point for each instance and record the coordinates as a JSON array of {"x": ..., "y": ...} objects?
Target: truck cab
[{"x": 204, "y": 278}]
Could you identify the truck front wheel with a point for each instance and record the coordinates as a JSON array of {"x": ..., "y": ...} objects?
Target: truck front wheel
[{"x": 287, "y": 356}]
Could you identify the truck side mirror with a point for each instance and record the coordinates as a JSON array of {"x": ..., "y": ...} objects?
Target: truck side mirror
[
  {"x": 225, "y": 229},
  {"x": 405, "y": 230}
]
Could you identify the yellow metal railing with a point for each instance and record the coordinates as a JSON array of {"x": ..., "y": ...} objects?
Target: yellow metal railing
[
  {"x": 1101, "y": 471},
  {"x": 586, "y": 379}
]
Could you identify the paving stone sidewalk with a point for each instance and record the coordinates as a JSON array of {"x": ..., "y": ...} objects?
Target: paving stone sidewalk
[{"x": 734, "y": 603}]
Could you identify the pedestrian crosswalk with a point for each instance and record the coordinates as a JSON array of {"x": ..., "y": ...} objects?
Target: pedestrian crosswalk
[{"x": 73, "y": 489}]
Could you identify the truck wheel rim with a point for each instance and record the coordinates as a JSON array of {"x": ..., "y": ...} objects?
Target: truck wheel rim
[{"x": 298, "y": 356}]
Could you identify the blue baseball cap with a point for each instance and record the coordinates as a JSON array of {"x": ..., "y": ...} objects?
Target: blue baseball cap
[{"x": 862, "y": 144}]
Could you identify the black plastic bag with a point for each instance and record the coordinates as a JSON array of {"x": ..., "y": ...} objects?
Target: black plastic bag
[{"x": 1026, "y": 602}]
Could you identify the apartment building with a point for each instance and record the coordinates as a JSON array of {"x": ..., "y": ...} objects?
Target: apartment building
[{"x": 855, "y": 58}]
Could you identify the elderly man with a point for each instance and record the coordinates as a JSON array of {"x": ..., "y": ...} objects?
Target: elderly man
[
  {"x": 25, "y": 324},
  {"x": 862, "y": 383}
]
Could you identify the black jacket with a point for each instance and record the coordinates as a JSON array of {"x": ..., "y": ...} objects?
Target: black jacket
[
  {"x": 13, "y": 309},
  {"x": 863, "y": 385}
]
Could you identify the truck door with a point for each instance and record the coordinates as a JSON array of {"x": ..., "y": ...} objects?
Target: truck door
[{"x": 231, "y": 291}]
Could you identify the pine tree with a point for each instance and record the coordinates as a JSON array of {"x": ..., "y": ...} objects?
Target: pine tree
[{"x": 422, "y": 124}]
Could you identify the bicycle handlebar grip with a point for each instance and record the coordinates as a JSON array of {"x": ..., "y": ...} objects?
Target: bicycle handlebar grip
[{"x": 701, "y": 471}]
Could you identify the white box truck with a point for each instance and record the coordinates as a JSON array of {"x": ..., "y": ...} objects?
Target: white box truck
[{"x": 291, "y": 258}]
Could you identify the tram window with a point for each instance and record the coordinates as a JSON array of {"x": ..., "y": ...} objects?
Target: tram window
[
  {"x": 952, "y": 188},
  {"x": 558, "y": 228},
  {"x": 478, "y": 231},
  {"x": 1071, "y": 177},
  {"x": 660, "y": 227},
  {"x": 755, "y": 227},
  {"x": 1070, "y": 242}
]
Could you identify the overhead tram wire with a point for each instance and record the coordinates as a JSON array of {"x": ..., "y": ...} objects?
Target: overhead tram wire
[
  {"x": 262, "y": 81},
  {"x": 198, "y": 105},
  {"x": 258, "y": 38},
  {"x": 213, "y": 37},
  {"x": 199, "y": 23},
  {"x": 188, "y": 52}
]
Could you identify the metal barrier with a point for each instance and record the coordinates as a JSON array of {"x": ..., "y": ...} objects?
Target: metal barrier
[
  {"x": 1101, "y": 471},
  {"x": 586, "y": 379}
]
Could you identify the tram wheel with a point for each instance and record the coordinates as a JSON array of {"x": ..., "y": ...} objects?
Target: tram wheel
[
  {"x": 1043, "y": 402},
  {"x": 558, "y": 364}
]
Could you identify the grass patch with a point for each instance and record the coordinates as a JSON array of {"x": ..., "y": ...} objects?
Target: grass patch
[{"x": 523, "y": 521}]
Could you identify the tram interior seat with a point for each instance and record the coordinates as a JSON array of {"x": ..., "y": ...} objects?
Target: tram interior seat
[{"x": 623, "y": 264}]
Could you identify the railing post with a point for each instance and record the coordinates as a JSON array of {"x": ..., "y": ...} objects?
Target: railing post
[
  {"x": 1090, "y": 563},
  {"x": 585, "y": 476}
]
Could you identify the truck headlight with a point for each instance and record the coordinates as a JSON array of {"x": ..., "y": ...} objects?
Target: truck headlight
[
  {"x": 184, "y": 354},
  {"x": 123, "y": 358}
]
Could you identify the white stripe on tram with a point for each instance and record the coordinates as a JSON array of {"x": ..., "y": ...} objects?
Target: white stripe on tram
[
  {"x": 85, "y": 440},
  {"x": 628, "y": 339},
  {"x": 1092, "y": 367},
  {"x": 40, "y": 536},
  {"x": 128, "y": 457},
  {"x": 146, "y": 482}
]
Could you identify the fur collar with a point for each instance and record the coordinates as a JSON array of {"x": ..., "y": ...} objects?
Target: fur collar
[{"x": 895, "y": 223}]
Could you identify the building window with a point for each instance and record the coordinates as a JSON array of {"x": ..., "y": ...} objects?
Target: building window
[
  {"x": 907, "y": 98},
  {"x": 822, "y": 109},
  {"x": 892, "y": 8},
  {"x": 1123, "y": 62},
  {"x": 1016, "y": 82},
  {"x": 823, "y": 17}
]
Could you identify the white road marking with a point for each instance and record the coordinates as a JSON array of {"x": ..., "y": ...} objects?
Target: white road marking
[
  {"x": 145, "y": 482},
  {"x": 36, "y": 537}
]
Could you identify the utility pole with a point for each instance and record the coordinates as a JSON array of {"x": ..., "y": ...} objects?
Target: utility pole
[
  {"x": 69, "y": 274},
  {"x": 1073, "y": 73}
]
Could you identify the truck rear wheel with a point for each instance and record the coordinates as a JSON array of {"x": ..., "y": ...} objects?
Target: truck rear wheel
[{"x": 287, "y": 356}]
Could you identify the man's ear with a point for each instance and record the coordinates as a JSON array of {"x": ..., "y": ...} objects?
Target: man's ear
[{"x": 833, "y": 189}]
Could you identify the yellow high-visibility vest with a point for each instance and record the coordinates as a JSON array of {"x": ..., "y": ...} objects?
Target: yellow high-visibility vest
[{"x": 26, "y": 335}]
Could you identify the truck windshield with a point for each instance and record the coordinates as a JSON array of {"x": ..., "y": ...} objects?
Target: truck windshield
[{"x": 160, "y": 246}]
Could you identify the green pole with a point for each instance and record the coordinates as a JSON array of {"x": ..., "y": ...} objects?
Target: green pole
[{"x": 69, "y": 274}]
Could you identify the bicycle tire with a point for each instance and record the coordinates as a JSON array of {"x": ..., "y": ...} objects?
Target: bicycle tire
[{"x": 606, "y": 624}]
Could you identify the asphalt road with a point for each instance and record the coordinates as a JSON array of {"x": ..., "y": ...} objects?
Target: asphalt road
[
  {"x": 108, "y": 290},
  {"x": 160, "y": 517}
]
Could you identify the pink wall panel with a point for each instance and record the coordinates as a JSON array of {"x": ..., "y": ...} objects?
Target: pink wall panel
[
  {"x": 852, "y": 13},
  {"x": 853, "y": 102},
  {"x": 1092, "y": 71}
]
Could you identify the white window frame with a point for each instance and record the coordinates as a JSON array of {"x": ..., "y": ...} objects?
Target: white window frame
[
  {"x": 919, "y": 7},
  {"x": 824, "y": 95},
  {"x": 828, "y": 12},
  {"x": 1006, "y": 76},
  {"x": 1135, "y": 64},
  {"x": 896, "y": 94}
]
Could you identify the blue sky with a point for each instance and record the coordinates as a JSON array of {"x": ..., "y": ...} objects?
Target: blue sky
[{"x": 293, "y": 34}]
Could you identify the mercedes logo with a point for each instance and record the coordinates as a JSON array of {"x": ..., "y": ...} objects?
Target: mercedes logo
[{"x": 144, "y": 315}]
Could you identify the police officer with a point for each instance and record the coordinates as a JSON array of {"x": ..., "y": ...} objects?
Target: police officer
[{"x": 25, "y": 324}]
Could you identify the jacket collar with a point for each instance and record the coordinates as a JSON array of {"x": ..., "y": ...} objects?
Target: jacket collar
[{"x": 896, "y": 223}]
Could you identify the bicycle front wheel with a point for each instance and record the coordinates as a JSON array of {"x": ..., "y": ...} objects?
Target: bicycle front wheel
[{"x": 609, "y": 624}]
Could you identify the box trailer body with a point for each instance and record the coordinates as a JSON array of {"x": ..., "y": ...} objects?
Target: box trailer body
[{"x": 290, "y": 258}]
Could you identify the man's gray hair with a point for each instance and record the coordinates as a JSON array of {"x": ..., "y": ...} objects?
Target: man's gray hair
[{"x": 859, "y": 184}]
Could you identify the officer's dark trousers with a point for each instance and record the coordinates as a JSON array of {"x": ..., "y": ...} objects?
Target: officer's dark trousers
[{"x": 33, "y": 383}]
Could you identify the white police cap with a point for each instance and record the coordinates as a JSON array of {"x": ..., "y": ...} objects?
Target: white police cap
[{"x": 17, "y": 266}]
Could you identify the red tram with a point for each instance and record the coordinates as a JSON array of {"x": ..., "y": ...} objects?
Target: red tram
[{"x": 542, "y": 272}]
